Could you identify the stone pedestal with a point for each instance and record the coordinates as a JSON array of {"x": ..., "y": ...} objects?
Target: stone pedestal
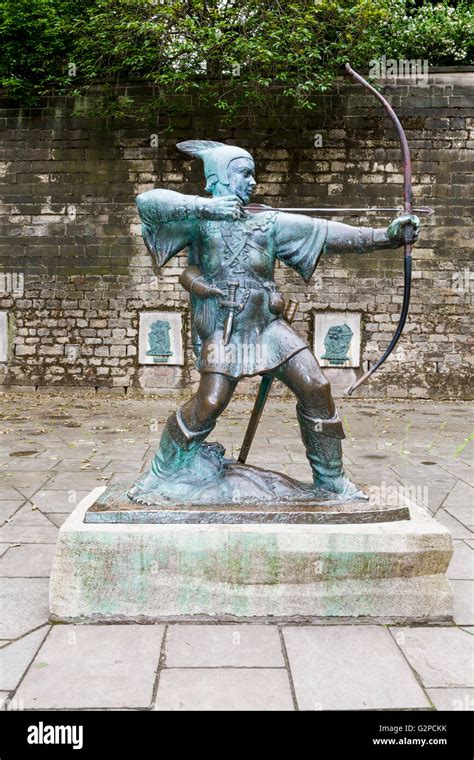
[{"x": 382, "y": 572}]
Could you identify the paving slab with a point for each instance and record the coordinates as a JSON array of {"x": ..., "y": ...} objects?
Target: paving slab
[
  {"x": 465, "y": 514},
  {"x": 8, "y": 508},
  {"x": 461, "y": 495},
  {"x": 94, "y": 666},
  {"x": 57, "y": 518},
  {"x": 9, "y": 493},
  {"x": 437, "y": 491},
  {"x": 124, "y": 477},
  {"x": 456, "y": 528},
  {"x": 238, "y": 645},
  {"x": 30, "y": 516},
  {"x": 462, "y": 471},
  {"x": 219, "y": 689},
  {"x": 28, "y": 560},
  {"x": 27, "y": 483},
  {"x": 442, "y": 657},
  {"x": 16, "y": 657},
  {"x": 463, "y": 602},
  {"x": 350, "y": 668},
  {"x": 452, "y": 699},
  {"x": 29, "y": 534},
  {"x": 58, "y": 501},
  {"x": 28, "y": 464},
  {"x": 297, "y": 471},
  {"x": 83, "y": 464},
  {"x": 462, "y": 563},
  {"x": 123, "y": 465},
  {"x": 414, "y": 472},
  {"x": 4, "y": 697},
  {"x": 24, "y": 605},
  {"x": 65, "y": 481}
]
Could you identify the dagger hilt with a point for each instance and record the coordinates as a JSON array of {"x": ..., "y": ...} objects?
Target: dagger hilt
[{"x": 231, "y": 303}]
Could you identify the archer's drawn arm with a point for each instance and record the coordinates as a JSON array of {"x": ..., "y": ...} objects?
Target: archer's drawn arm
[{"x": 343, "y": 238}]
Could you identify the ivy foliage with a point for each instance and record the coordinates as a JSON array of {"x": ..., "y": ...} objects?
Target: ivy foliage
[{"x": 231, "y": 53}]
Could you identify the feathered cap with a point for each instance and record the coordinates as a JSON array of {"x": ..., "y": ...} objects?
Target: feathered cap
[{"x": 216, "y": 157}]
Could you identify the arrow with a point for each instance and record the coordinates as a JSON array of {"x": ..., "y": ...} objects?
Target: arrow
[{"x": 257, "y": 208}]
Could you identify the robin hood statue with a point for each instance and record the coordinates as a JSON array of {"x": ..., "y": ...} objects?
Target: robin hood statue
[{"x": 239, "y": 329}]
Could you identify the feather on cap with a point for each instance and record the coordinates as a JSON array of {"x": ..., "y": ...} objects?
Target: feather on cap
[{"x": 196, "y": 148}]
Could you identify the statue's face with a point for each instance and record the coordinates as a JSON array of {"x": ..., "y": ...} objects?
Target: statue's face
[{"x": 240, "y": 173}]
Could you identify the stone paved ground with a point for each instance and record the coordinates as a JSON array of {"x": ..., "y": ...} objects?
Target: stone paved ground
[{"x": 54, "y": 449}]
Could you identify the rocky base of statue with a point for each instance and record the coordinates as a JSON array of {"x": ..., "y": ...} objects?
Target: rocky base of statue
[
  {"x": 115, "y": 506},
  {"x": 210, "y": 478}
]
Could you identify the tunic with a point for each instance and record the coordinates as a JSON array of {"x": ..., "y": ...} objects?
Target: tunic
[{"x": 244, "y": 250}]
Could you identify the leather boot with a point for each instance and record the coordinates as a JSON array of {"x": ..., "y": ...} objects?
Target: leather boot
[
  {"x": 322, "y": 440},
  {"x": 178, "y": 446},
  {"x": 181, "y": 467}
]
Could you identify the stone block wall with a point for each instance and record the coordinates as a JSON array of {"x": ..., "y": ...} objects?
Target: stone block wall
[{"x": 75, "y": 274}]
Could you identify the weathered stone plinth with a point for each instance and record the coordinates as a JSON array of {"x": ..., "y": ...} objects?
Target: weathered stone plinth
[{"x": 385, "y": 571}]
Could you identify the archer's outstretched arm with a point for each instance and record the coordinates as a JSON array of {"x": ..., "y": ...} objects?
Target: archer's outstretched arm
[
  {"x": 300, "y": 241},
  {"x": 343, "y": 238}
]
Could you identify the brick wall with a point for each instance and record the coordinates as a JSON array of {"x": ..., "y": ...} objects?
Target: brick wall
[{"x": 76, "y": 273}]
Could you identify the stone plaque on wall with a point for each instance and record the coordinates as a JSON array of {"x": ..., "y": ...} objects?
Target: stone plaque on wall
[
  {"x": 337, "y": 338},
  {"x": 160, "y": 338},
  {"x": 3, "y": 337}
]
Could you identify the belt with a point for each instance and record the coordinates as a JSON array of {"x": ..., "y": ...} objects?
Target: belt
[{"x": 247, "y": 284}]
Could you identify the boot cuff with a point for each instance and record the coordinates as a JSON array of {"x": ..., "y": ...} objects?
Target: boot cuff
[
  {"x": 331, "y": 427},
  {"x": 183, "y": 436}
]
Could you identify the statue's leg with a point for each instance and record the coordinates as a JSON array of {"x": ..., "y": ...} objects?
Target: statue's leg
[
  {"x": 192, "y": 423},
  {"x": 321, "y": 428},
  {"x": 182, "y": 466}
]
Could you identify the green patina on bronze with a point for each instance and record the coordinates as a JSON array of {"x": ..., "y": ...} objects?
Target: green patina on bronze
[
  {"x": 239, "y": 329},
  {"x": 336, "y": 342},
  {"x": 159, "y": 341}
]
